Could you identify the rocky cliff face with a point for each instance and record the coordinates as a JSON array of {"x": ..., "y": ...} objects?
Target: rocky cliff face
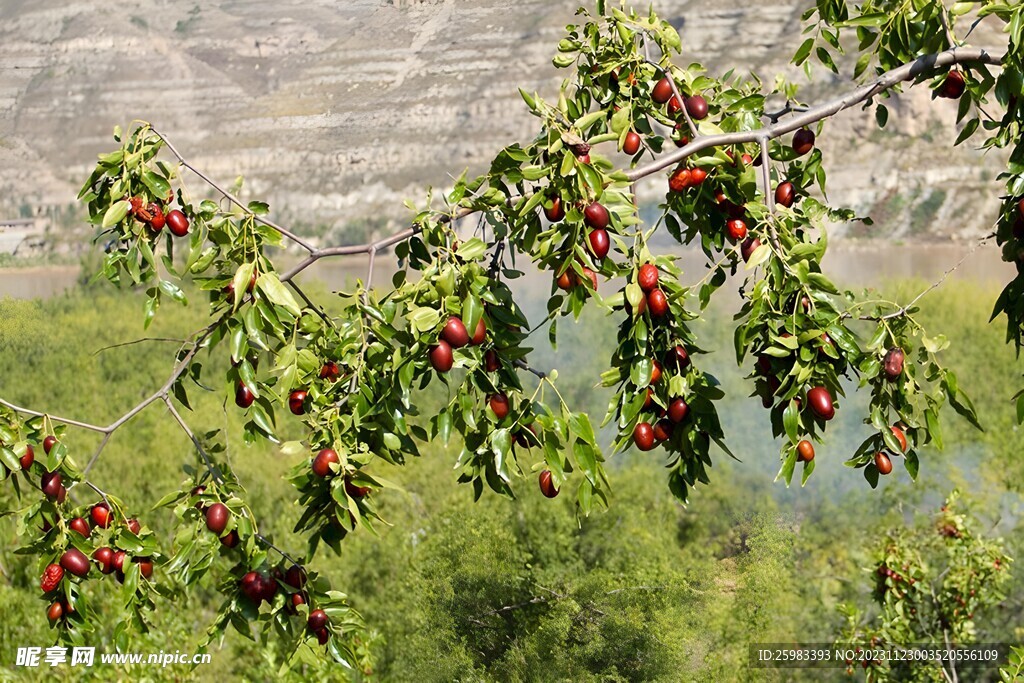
[{"x": 337, "y": 111}]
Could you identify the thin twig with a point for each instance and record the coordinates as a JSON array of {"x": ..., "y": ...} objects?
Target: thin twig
[
  {"x": 139, "y": 341},
  {"x": 952, "y": 663},
  {"x": 266, "y": 541},
  {"x": 309, "y": 302},
  {"x": 103, "y": 444},
  {"x": 55, "y": 418},
  {"x": 354, "y": 249},
  {"x": 232, "y": 198},
  {"x": 948, "y": 29},
  {"x": 369, "y": 274},
  {"x": 682, "y": 103},
  {"x": 179, "y": 368},
  {"x": 903, "y": 310},
  {"x": 769, "y": 198},
  {"x": 790, "y": 108},
  {"x": 216, "y": 474}
]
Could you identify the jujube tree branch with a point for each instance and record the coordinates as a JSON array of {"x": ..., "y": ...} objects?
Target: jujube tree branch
[{"x": 352, "y": 379}]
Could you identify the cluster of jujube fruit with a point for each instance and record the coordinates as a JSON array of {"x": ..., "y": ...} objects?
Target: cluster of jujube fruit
[
  {"x": 657, "y": 426},
  {"x": 598, "y": 243},
  {"x": 263, "y": 586},
  {"x": 96, "y": 530},
  {"x": 264, "y": 583},
  {"x": 152, "y": 215}
]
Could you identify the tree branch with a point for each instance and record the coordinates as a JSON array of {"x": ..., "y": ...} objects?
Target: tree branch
[
  {"x": 788, "y": 109},
  {"x": 679, "y": 96},
  {"x": 217, "y": 476},
  {"x": 55, "y": 418},
  {"x": 366, "y": 248},
  {"x": 214, "y": 472},
  {"x": 903, "y": 310},
  {"x": 520, "y": 363},
  {"x": 309, "y": 302},
  {"x": 884, "y": 82},
  {"x": 108, "y": 430},
  {"x": 232, "y": 198},
  {"x": 948, "y": 29},
  {"x": 766, "y": 177},
  {"x": 139, "y": 341}
]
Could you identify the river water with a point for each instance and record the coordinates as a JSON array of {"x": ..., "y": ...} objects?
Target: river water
[{"x": 849, "y": 264}]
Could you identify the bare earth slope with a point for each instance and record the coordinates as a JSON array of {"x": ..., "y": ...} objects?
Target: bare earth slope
[{"x": 337, "y": 111}]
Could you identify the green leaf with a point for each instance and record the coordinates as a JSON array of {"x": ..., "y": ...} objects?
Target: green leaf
[
  {"x": 10, "y": 459},
  {"x": 803, "y": 51},
  {"x": 501, "y": 446},
  {"x": 932, "y": 421},
  {"x": 592, "y": 178},
  {"x": 912, "y": 464},
  {"x": 964, "y": 407},
  {"x": 825, "y": 58},
  {"x": 808, "y": 468},
  {"x": 472, "y": 309},
  {"x": 276, "y": 292},
  {"x": 871, "y": 474},
  {"x": 149, "y": 309},
  {"x": 621, "y": 120},
  {"x": 968, "y": 131},
  {"x": 567, "y": 164},
  {"x": 116, "y": 213},
  {"x": 586, "y": 458},
  {"x": 586, "y": 121},
  {"x": 790, "y": 420},
  {"x": 424, "y": 319},
  {"x": 444, "y": 426},
  {"x": 869, "y": 19},
  {"x": 640, "y": 372},
  {"x": 174, "y": 291},
  {"x": 759, "y": 256},
  {"x": 563, "y": 61},
  {"x": 156, "y": 184},
  {"x": 528, "y": 99},
  {"x": 862, "y": 64},
  {"x": 788, "y": 465},
  {"x": 262, "y": 420},
  {"x": 472, "y": 249},
  {"x": 241, "y": 280}
]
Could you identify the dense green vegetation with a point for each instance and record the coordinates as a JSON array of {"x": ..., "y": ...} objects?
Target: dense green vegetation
[{"x": 520, "y": 590}]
